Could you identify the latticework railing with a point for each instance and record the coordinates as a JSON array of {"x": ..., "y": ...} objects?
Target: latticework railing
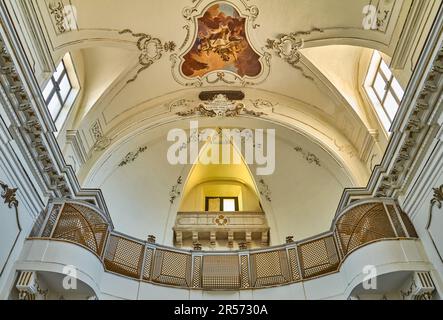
[
  {"x": 359, "y": 225},
  {"x": 79, "y": 224}
]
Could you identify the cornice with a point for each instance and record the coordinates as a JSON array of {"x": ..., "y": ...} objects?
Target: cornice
[
  {"x": 412, "y": 127},
  {"x": 31, "y": 124}
]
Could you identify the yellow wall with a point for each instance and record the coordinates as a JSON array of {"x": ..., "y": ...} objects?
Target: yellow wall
[{"x": 194, "y": 200}]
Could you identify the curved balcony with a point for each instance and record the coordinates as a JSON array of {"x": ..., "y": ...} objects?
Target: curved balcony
[{"x": 361, "y": 224}]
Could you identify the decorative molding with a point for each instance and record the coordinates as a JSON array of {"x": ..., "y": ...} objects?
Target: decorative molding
[
  {"x": 347, "y": 149},
  {"x": 30, "y": 287},
  {"x": 9, "y": 195},
  {"x": 221, "y": 220},
  {"x": 132, "y": 156},
  {"x": 175, "y": 191},
  {"x": 309, "y": 157},
  {"x": 436, "y": 202},
  {"x": 96, "y": 130},
  {"x": 263, "y": 104},
  {"x": 182, "y": 103},
  {"x": 151, "y": 49},
  {"x": 220, "y": 76},
  {"x": 151, "y": 239},
  {"x": 57, "y": 11},
  {"x": 287, "y": 47},
  {"x": 384, "y": 13},
  {"x": 63, "y": 16},
  {"x": 264, "y": 189},
  {"x": 438, "y": 197},
  {"x": 413, "y": 27},
  {"x": 419, "y": 287},
  {"x": 101, "y": 142},
  {"x": 414, "y": 131},
  {"x": 32, "y": 128},
  {"x": 29, "y": 126},
  {"x": 73, "y": 138},
  {"x": 220, "y": 106}
]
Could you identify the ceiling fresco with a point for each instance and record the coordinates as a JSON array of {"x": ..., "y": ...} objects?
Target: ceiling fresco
[{"x": 221, "y": 44}]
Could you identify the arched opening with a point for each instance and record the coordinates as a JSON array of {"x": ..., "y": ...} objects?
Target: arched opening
[{"x": 220, "y": 207}]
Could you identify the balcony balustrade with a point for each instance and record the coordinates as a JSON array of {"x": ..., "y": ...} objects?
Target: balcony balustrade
[
  {"x": 221, "y": 227},
  {"x": 361, "y": 224}
]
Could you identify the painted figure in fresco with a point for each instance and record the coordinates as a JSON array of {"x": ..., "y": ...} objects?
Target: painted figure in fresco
[
  {"x": 221, "y": 41},
  {"x": 221, "y": 45}
]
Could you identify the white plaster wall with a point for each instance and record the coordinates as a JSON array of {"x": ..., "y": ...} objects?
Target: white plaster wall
[{"x": 433, "y": 239}]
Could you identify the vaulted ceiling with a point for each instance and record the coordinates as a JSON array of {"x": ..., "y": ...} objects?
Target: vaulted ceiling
[
  {"x": 129, "y": 58},
  {"x": 317, "y": 95}
]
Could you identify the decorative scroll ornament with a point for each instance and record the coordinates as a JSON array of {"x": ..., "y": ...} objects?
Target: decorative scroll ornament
[
  {"x": 438, "y": 197},
  {"x": 132, "y": 156},
  {"x": 378, "y": 15},
  {"x": 348, "y": 149},
  {"x": 102, "y": 144},
  {"x": 221, "y": 220},
  {"x": 101, "y": 141},
  {"x": 288, "y": 46},
  {"x": 220, "y": 106},
  {"x": 309, "y": 157},
  {"x": 436, "y": 202},
  {"x": 265, "y": 191},
  {"x": 9, "y": 195},
  {"x": 57, "y": 10},
  {"x": 151, "y": 49},
  {"x": 175, "y": 191},
  {"x": 64, "y": 16},
  {"x": 217, "y": 48}
]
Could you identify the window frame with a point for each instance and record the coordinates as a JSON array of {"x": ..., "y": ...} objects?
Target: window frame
[
  {"x": 55, "y": 92},
  {"x": 388, "y": 89},
  {"x": 392, "y": 90},
  {"x": 222, "y": 203}
]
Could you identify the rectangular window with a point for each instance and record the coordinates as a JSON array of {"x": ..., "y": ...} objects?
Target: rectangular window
[
  {"x": 383, "y": 90},
  {"x": 222, "y": 204},
  {"x": 57, "y": 91},
  {"x": 229, "y": 205}
]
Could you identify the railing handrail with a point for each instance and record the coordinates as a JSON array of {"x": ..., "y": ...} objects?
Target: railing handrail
[
  {"x": 147, "y": 261},
  {"x": 226, "y": 213}
]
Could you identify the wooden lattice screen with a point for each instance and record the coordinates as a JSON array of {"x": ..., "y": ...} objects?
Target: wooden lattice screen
[
  {"x": 83, "y": 226},
  {"x": 360, "y": 225}
]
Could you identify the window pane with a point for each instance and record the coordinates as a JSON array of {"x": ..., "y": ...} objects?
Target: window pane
[
  {"x": 48, "y": 89},
  {"x": 397, "y": 89},
  {"x": 59, "y": 71},
  {"x": 54, "y": 107},
  {"x": 380, "y": 86},
  {"x": 383, "y": 117},
  {"x": 385, "y": 69},
  {"x": 391, "y": 106},
  {"x": 65, "y": 87},
  {"x": 229, "y": 205},
  {"x": 214, "y": 205}
]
